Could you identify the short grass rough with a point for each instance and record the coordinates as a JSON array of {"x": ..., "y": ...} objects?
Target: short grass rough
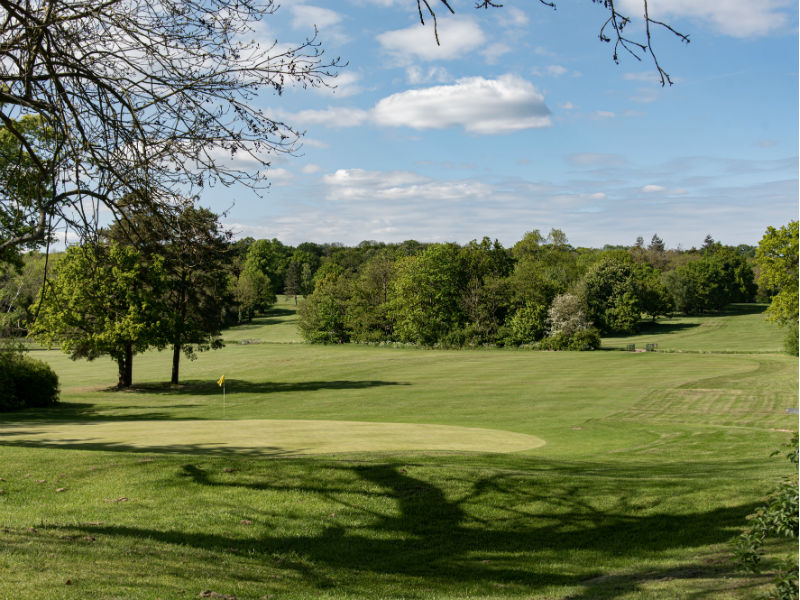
[{"x": 643, "y": 470}]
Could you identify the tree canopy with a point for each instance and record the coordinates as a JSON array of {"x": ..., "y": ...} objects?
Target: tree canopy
[
  {"x": 100, "y": 301},
  {"x": 777, "y": 257}
]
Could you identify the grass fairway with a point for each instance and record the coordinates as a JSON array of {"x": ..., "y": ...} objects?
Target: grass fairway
[{"x": 372, "y": 472}]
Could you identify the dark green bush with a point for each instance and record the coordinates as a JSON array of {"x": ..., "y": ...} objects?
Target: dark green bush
[
  {"x": 25, "y": 382},
  {"x": 792, "y": 343},
  {"x": 583, "y": 339}
]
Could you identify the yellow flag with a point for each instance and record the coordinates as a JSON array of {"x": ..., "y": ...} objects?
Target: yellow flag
[{"x": 221, "y": 381}]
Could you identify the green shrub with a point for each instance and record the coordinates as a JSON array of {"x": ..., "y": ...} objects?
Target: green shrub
[
  {"x": 25, "y": 382},
  {"x": 583, "y": 339},
  {"x": 792, "y": 344},
  {"x": 527, "y": 325}
]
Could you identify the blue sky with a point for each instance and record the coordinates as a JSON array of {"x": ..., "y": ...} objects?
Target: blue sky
[{"x": 521, "y": 120}]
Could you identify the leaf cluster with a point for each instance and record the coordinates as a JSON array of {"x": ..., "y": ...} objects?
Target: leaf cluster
[{"x": 777, "y": 517}]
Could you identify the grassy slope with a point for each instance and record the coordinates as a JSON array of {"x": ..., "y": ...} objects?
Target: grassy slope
[{"x": 651, "y": 463}]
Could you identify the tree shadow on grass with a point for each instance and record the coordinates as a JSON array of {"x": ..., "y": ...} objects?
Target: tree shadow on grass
[
  {"x": 65, "y": 412},
  {"x": 240, "y": 386},
  {"x": 650, "y": 328},
  {"x": 412, "y": 528},
  {"x": 68, "y": 412}
]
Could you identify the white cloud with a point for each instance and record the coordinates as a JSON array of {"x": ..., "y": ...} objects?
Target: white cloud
[
  {"x": 343, "y": 85},
  {"x": 458, "y": 35},
  {"x": 314, "y": 143},
  {"x": 328, "y": 22},
  {"x": 604, "y": 203},
  {"x": 604, "y": 114},
  {"x": 484, "y": 106},
  {"x": 737, "y": 18},
  {"x": 512, "y": 16},
  {"x": 305, "y": 15},
  {"x": 311, "y": 169},
  {"x": 331, "y": 117},
  {"x": 651, "y": 188},
  {"x": 353, "y": 179},
  {"x": 647, "y": 76},
  {"x": 416, "y": 75},
  {"x": 567, "y": 105},
  {"x": 494, "y": 51},
  {"x": 551, "y": 70}
]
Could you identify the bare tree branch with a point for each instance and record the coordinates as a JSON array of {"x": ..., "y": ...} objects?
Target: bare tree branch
[
  {"x": 615, "y": 21},
  {"x": 141, "y": 95}
]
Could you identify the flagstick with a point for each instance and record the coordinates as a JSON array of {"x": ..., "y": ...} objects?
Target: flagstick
[{"x": 223, "y": 401}]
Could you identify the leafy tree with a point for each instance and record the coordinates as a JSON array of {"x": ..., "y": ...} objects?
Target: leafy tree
[
  {"x": 427, "y": 302},
  {"x": 271, "y": 258},
  {"x": 777, "y": 258},
  {"x": 195, "y": 254},
  {"x": 253, "y": 292},
  {"x": 291, "y": 284},
  {"x": 19, "y": 291},
  {"x": 195, "y": 266},
  {"x": 568, "y": 327},
  {"x": 101, "y": 301},
  {"x": 322, "y": 316},
  {"x": 485, "y": 295},
  {"x": 611, "y": 295},
  {"x": 545, "y": 268},
  {"x": 657, "y": 253},
  {"x": 529, "y": 245},
  {"x": 527, "y": 325},
  {"x": 327, "y": 268},
  {"x": 654, "y": 298},
  {"x": 23, "y": 189},
  {"x": 369, "y": 310},
  {"x": 656, "y": 244},
  {"x": 566, "y": 315},
  {"x": 682, "y": 287},
  {"x": 306, "y": 279}
]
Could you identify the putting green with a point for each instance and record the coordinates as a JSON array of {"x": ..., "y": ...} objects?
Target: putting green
[{"x": 266, "y": 436}]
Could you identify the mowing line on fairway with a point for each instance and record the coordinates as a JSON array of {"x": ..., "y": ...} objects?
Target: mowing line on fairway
[{"x": 267, "y": 436}]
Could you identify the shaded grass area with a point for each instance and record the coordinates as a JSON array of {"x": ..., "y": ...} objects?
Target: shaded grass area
[
  {"x": 406, "y": 527},
  {"x": 651, "y": 464}
]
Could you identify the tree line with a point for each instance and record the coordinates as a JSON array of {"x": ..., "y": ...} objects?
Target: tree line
[
  {"x": 175, "y": 281},
  {"x": 541, "y": 292}
]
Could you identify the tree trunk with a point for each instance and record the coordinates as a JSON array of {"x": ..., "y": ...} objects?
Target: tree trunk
[
  {"x": 176, "y": 363},
  {"x": 125, "y": 367}
]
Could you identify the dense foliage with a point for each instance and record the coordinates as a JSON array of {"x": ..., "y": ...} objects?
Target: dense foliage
[
  {"x": 542, "y": 292},
  {"x": 25, "y": 382},
  {"x": 100, "y": 302},
  {"x": 777, "y": 258}
]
